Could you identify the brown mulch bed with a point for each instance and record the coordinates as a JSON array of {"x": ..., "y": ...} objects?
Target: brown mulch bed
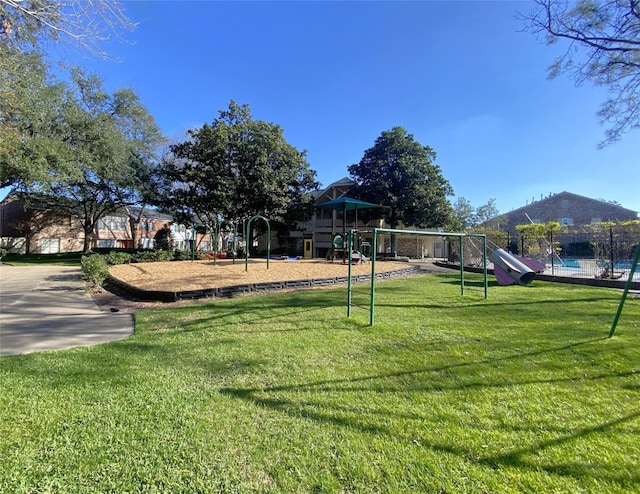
[{"x": 196, "y": 275}]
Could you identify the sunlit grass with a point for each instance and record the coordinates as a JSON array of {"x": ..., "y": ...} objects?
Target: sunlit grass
[{"x": 522, "y": 392}]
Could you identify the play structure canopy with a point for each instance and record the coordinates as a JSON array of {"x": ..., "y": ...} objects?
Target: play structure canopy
[{"x": 345, "y": 204}]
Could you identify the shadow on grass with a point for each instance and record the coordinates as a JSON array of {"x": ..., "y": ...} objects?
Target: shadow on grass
[
  {"x": 308, "y": 401},
  {"x": 518, "y": 457},
  {"x": 251, "y": 310},
  {"x": 484, "y": 303},
  {"x": 334, "y": 384}
]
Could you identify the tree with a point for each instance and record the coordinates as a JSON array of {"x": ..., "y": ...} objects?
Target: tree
[
  {"x": 604, "y": 48},
  {"x": 86, "y": 24},
  {"x": 399, "y": 172},
  {"x": 236, "y": 167},
  {"x": 109, "y": 141},
  {"x": 31, "y": 106},
  {"x": 466, "y": 217},
  {"x": 462, "y": 217},
  {"x": 30, "y": 99}
]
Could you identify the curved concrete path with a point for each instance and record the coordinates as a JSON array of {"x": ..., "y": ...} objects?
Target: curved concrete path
[{"x": 48, "y": 308}]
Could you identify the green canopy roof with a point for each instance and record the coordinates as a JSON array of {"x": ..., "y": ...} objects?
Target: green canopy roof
[{"x": 347, "y": 204}]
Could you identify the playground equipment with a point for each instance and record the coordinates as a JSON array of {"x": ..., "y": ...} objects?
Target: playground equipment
[
  {"x": 510, "y": 269},
  {"x": 248, "y": 236},
  {"x": 214, "y": 236},
  {"x": 345, "y": 204},
  {"x": 374, "y": 236}
]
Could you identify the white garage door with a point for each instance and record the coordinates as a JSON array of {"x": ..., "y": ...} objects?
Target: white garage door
[{"x": 50, "y": 245}]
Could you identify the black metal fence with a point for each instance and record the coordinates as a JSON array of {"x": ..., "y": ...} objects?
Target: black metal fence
[{"x": 602, "y": 251}]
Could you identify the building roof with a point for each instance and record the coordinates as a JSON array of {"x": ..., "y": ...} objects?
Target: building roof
[{"x": 570, "y": 195}]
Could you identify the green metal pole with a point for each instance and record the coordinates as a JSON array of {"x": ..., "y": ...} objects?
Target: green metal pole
[
  {"x": 268, "y": 240},
  {"x": 349, "y": 240},
  {"x": 461, "y": 266},
  {"x": 372, "y": 298},
  {"x": 246, "y": 259},
  {"x": 484, "y": 263},
  {"x": 627, "y": 286},
  {"x": 246, "y": 247}
]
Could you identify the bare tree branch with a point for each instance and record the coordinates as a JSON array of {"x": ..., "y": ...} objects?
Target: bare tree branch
[
  {"x": 604, "y": 48},
  {"x": 87, "y": 24}
]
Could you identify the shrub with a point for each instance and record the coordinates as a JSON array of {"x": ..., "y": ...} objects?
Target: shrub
[
  {"x": 182, "y": 255},
  {"x": 95, "y": 269},
  {"x": 115, "y": 257},
  {"x": 152, "y": 256}
]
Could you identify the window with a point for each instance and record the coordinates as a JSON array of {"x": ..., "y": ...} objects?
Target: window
[
  {"x": 113, "y": 223},
  {"x": 110, "y": 243},
  {"x": 565, "y": 221},
  {"x": 146, "y": 226},
  {"x": 596, "y": 220}
]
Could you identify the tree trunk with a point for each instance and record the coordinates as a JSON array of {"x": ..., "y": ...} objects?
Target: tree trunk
[
  {"x": 393, "y": 223},
  {"x": 134, "y": 222},
  {"x": 88, "y": 239},
  {"x": 394, "y": 244}
]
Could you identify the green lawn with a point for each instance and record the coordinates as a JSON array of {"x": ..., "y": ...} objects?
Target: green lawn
[
  {"x": 522, "y": 392},
  {"x": 66, "y": 259}
]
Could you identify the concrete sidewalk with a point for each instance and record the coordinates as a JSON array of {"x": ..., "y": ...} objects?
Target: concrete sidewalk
[{"x": 48, "y": 308}]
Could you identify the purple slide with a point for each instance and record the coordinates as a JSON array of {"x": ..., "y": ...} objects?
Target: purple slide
[{"x": 510, "y": 269}]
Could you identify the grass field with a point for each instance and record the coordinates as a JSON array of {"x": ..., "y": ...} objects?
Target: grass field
[
  {"x": 522, "y": 392},
  {"x": 65, "y": 259}
]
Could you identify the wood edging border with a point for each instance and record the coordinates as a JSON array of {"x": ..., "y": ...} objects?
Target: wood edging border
[{"x": 230, "y": 291}]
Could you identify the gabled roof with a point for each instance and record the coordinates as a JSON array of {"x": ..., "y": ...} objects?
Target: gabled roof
[
  {"x": 344, "y": 183},
  {"x": 571, "y": 195},
  {"x": 152, "y": 214}
]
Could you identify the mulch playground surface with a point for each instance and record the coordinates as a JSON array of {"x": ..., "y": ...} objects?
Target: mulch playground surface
[{"x": 144, "y": 285}]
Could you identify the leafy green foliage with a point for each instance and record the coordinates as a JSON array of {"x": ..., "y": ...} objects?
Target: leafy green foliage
[
  {"x": 114, "y": 257},
  {"x": 95, "y": 269},
  {"x": 32, "y": 149},
  {"x": 152, "y": 256},
  {"x": 399, "y": 172},
  {"x": 236, "y": 167},
  {"x": 109, "y": 141}
]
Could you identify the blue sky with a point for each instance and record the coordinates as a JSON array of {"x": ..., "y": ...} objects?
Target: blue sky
[{"x": 461, "y": 77}]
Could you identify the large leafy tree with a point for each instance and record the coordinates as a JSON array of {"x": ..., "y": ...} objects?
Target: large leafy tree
[
  {"x": 399, "y": 172},
  {"x": 108, "y": 143},
  {"x": 31, "y": 106},
  {"x": 603, "y": 47},
  {"x": 30, "y": 100},
  {"x": 236, "y": 167}
]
